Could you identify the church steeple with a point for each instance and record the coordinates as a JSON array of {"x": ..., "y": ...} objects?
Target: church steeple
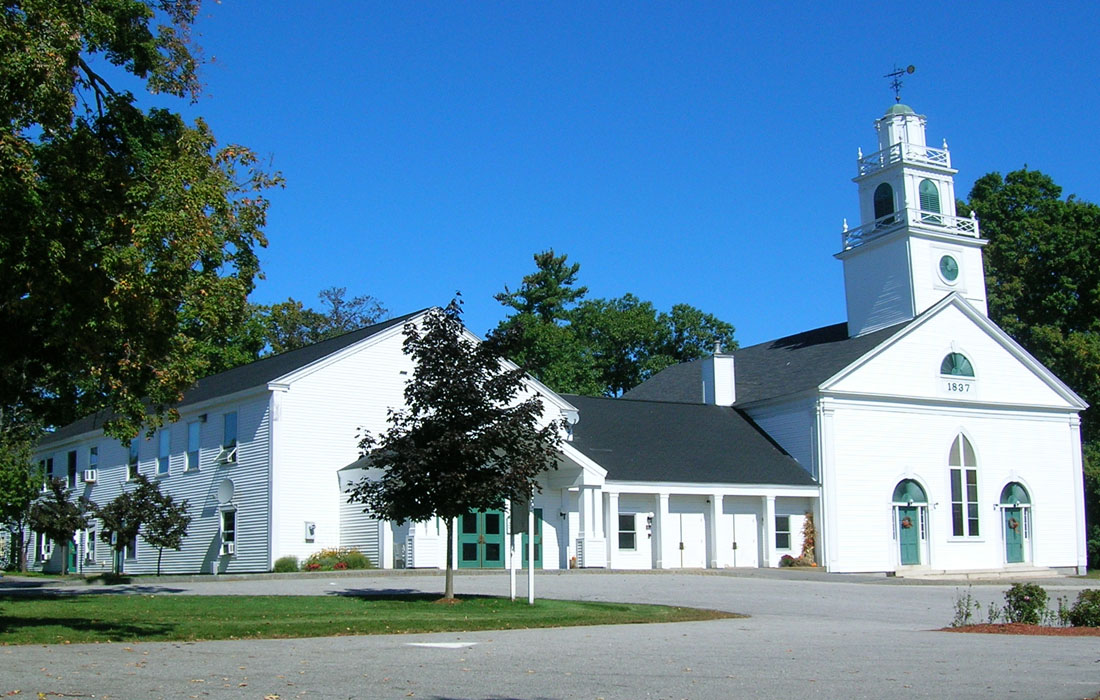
[{"x": 910, "y": 249}]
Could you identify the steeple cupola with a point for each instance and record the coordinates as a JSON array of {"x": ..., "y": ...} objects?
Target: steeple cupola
[{"x": 910, "y": 249}]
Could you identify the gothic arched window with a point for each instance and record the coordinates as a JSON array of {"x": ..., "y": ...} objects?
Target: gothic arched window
[{"x": 963, "y": 467}]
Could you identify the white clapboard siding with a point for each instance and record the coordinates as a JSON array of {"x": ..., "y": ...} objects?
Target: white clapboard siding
[
  {"x": 319, "y": 417},
  {"x": 199, "y": 487},
  {"x": 791, "y": 425},
  {"x": 877, "y": 445}
]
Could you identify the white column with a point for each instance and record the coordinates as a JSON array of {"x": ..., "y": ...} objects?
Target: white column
[
  {"x": 827, "y": 525},
  {"x": 597, "y": 513},
  {"x": 613, "y": 529},
  {"x": 1078, "y": 494},
  {"x": 713, "y": 555},
  {"x": 660, "y": 527},
  {"x": 769, "y": 530},
  {"x": 385, "y": 544}
]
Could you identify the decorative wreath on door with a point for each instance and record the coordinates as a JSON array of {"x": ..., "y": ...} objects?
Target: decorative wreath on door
[
  {"x": 1013, "y": 523},
  {"x": 906, "y": 522}
]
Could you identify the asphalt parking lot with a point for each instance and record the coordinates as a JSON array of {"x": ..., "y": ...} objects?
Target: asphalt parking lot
[{"x": 808, "y": 635}]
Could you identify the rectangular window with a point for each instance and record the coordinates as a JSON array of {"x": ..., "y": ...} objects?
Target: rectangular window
[
  {"x": 93, "y": 458},
  {"x": 229, "y": 532},
  {"x": 131, "y": 549},
  {"x": 132, "y": 469},
  {"x": 193, "y": 445},
  {"x": 89, "y": 545},
  {"x": 164, "y": 450},
  {"x": 964, "y": 503},
  {"x": 71, "y": 464},
  {"x": 782, "y": 532},
  {"x": 230, "y": 433},
  {"x": 49, "y": 468},
  {"x": 628, "y": 531}
]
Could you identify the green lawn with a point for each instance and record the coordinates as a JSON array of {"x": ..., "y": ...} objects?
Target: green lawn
[{"x": 131, "y": 618}]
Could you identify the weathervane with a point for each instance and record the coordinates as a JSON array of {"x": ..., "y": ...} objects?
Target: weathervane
[{"x": 896, "y": 82}]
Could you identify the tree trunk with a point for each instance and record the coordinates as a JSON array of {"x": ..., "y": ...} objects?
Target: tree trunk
[
  {"x": 449, "y": 587},
  {"x": 21, "y": 552},
  {"x": 160, "y": 553},
  {"x": 65, "y": 559}
]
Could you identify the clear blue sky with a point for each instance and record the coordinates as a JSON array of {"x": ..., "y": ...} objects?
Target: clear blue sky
[{"x": 684, "y": 152}]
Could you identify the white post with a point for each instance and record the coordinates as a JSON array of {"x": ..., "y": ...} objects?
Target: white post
[
  {"x": 613, "y": 529},
  {"x": 511, "y": 555},
  {"x": 769, "y": 530},
  {"x": 531, "y": 553},
  {"x": 661, "y": 524},
  {"x": 712, "y": 531}
]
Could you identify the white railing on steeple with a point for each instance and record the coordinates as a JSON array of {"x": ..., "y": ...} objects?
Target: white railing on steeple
[
  {"x": 911, "y": 218},
  {"x": 904, "y": 153}
]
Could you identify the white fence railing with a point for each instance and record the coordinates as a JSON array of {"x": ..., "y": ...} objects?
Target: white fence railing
[
  {"x": 904, "y": 152},
  {"x": 914, "y": 218}
]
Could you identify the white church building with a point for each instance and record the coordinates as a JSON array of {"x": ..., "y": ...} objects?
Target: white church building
[{"x": 917, "y": 436}]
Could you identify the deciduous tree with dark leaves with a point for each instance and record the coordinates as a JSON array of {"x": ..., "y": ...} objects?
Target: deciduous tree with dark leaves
[{"x": 471, "y": 435}]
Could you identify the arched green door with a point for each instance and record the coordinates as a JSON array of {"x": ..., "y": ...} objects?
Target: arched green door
[
  {"x": 909, "y": 498},
  {"x": 1014, "y": 500}
]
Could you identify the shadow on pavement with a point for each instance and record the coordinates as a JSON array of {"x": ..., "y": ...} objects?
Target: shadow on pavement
[{"x": 47, "y": 592}]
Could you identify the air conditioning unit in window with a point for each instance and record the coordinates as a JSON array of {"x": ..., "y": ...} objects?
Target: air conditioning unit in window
[
  {"x": 90, "y": 476},
  {"x": 229, "y": 548},
  {"x": 228, "y": 455}
]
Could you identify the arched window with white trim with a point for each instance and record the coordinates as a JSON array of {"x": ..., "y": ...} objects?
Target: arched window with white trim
[{"x": 963, "y": 468}]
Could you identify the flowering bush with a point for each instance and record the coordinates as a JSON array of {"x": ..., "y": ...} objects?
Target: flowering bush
[
  {"x": 337, "y": 559},
  {"x": 1026, "y": 603}
]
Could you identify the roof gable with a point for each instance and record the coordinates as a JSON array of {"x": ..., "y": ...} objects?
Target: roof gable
[{"x": 908, "y": 363}]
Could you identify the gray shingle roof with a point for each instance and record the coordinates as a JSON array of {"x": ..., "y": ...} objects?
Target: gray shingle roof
[
  {"x": 790, "y": 365},
  {"x": 676, "y": 442},
  {"x": 254, "y": 374}
]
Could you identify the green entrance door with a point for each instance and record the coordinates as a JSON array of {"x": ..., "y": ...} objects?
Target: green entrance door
[
  {"x": 481, "y": 540},
  {"x": 1014, "y": 535},
  {"x": 72, "y": 557},
  {"x": 538, "y": 541},
  {"x": 909, "y": 534}
]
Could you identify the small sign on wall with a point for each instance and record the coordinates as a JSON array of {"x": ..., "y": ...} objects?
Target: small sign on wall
[{"x": 311, "y": 531}]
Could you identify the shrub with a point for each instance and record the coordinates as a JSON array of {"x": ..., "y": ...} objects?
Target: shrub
[
  {"x": 354, "y": 559},
  {"x": 285, "y": 564},
  {"x": 788, "y": 560},
  {"x": 1026, "y": 603},
  {"x": 1086, "y": 611}
]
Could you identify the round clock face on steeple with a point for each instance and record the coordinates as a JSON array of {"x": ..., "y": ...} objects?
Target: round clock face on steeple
[{"x": 949, "y": 269}]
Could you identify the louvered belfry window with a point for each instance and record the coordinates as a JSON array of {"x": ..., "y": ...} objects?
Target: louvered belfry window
[{"x": 929, "y": 201}]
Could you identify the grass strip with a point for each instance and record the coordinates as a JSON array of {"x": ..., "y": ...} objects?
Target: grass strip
[{"x": 132, "y": 618}]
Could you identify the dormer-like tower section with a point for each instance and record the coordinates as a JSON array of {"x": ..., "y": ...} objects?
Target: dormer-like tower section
[{"x": 910, "y": 249}]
